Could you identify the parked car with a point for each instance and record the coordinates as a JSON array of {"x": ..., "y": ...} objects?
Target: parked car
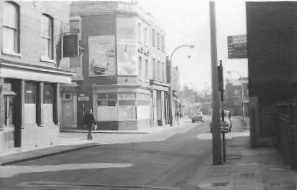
[
  {"x": 198, "y": 116},
  {"x": 226, "y": 125}
]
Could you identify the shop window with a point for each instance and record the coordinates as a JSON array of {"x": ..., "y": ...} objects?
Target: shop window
[
  {"x": 30, "y": 103},
  {"x": 106, "y": 103},
  {"x": 112, "y": 96},
  {"x": 30, "y": 93},
  {"x": 126, "y": 96},
  {"x": 101, "y": 96},
  {"x": 48, "y": 99},
  {"x": 48, "y": 94},
  {"x": 133, "y": 96}
]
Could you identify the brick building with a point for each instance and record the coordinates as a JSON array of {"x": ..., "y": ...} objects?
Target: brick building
[
  {"x": 272, "y": 37},
  {"x": 236, "y": 92},
  {"x": 29, "y": 74},
  {"x": 122, "y": 71}
]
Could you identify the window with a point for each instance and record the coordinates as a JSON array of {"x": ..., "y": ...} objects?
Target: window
[
  {"x": 30, "y": 103},
  {"x": 162, "y": 43},
  {"x": 145, "y": 36},
  {"x": 139, "y": 32},
  {"x": 158, "y": 40},
  {"x": 158, "y": 71},
  {"x": 48, "y": 92},
  {"x": 11, "y": 28},
  {"x": 153, "y": 37},
  {"x": 236, "y": 92},
  {"x": 30, "y": 93},
  {"x": 48, "y": 100},
  {"x": 146, "y": 70},
  {"x": 140, "y": 67},
  {"x": 47, "y": 37},
  {"x": 74, "y": 26},
  {"x": 163, "y": 72},
  {"x": 67, "y": 96}
]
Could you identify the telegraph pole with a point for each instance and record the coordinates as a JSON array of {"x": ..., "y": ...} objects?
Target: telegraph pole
[{"x": 216, "y": 126}]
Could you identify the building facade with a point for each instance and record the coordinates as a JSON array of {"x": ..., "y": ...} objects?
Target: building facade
[
  {"x": 236, "y": 96},
  {"x": 272, "y": 36},
  {"x": 30, "y": 75},
  {"x": 121, "y": 73}
]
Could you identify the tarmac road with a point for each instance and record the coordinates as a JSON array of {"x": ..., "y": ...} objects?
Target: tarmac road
[{"x": 161, "y": 160}]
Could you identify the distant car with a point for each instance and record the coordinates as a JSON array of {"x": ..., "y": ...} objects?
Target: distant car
[
  {"x": 226, "y": 125},
  {"x": 198, "y": 116}
]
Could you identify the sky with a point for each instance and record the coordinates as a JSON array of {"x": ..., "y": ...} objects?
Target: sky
[{"x": 187, "y": 22}]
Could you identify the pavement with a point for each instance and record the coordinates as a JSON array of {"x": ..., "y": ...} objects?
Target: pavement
[{"x": 245, "y": 168}]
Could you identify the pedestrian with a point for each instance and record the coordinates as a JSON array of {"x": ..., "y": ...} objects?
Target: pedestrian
[{"x": 89, "y": 122}]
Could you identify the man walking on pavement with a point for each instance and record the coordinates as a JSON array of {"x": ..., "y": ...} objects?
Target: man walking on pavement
[{"x": 89, "y": 121}]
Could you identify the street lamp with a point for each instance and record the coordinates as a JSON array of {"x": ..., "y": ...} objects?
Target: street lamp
[
  {"x": 241, "y": 81},
  {"x": 171, "y": 81}
]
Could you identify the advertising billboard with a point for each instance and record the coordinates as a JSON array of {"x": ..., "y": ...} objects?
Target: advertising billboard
[
  {"x": 101, "y": 55},
  {"x": 237, "y": 46},
  {"x": 126, "y": 46}
]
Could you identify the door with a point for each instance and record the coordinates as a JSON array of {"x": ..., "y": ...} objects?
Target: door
[{"x": 67, "y": 115}]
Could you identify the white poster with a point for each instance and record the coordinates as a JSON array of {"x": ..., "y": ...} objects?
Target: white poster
[{"x": 102, "y": 55}]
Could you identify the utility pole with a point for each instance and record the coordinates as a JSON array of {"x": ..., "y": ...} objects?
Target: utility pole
[
  {"x": 221, "y": 89},
  {"x": 216, "y": 125}
]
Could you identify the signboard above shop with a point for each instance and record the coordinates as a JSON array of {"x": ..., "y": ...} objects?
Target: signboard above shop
[{"x": 237, "y": 47}]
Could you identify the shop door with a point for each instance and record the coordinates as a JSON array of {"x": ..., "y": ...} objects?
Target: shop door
[
  {"x": 67, "y": 112},
  {"x": 159, "y": 108}
]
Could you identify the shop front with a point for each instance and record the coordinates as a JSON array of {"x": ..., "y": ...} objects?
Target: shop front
[
  {"x": 29, "y": 99},
  {"x": 122, "y": 107}
]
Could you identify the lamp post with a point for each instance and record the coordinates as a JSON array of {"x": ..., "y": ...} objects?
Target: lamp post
[
  {"x": 171, "y": 81},
  {"x": 242, "y": 95}
]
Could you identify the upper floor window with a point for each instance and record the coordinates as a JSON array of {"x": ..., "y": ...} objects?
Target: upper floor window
[
  {"x": 145, "y": 36},
  {"x": 158, "y": 40},
  {"x": 162, "y": 43},
  {"x": 11, "y": 28},
  {"x": 140, "y": 67},
  {"x": 153, "y": 37},
  {"x": 47, "y": 37},
  {"x": 139, "y": 32},
  {"x": 74, "y": 26},
  {"x": 146, "y": 70}
]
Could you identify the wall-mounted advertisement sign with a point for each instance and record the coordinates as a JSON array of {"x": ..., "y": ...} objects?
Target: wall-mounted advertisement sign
[
  {"x": 126, "y": 46},
  {"x": 237, "y": 47},
  {"x": 102, "y": 55}
]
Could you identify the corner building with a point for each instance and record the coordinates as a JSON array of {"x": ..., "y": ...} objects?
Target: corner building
[
  {"x": 30, "y": 75},
  {"x": 123, "y": 66}
]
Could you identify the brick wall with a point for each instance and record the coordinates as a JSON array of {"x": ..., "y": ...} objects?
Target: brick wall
[{"x": 272, "y": 37}]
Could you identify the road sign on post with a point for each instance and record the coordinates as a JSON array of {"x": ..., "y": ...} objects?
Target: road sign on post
[{"x": 237, "y": 47}]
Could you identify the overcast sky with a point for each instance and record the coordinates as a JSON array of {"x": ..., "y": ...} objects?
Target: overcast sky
[{"x": 187, "y": 22}]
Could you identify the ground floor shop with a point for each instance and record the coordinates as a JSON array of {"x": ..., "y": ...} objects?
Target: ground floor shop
[
  {"x": 29, "y": 104},
  {"x": 118, "y": 107}
]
